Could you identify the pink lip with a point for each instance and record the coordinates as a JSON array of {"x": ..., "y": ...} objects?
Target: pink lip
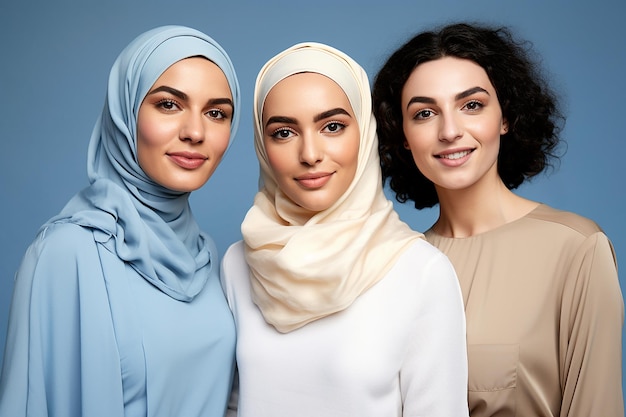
[
  {"x": 454, "y": 157},
  {"x": 314, "y": 180},
  {"x": 187, "y": 160}
]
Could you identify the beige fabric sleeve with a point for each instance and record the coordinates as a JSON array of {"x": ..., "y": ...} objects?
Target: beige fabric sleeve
[{"x": 591, "y": 333}]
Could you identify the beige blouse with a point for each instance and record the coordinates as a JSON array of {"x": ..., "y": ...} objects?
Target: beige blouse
[{"x": 544, "y": 317}]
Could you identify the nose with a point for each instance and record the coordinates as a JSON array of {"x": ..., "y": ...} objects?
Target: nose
[
  {"x": 193, "y": 128},
  {"x": 450, "y": 129},
  {"x": 311, "y": 151}
]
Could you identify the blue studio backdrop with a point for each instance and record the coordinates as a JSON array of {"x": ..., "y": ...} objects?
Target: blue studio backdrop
[{"x": 56, "y": 58}]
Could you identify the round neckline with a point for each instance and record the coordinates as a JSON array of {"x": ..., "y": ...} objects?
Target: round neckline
[{"x": 431, "y": 232}]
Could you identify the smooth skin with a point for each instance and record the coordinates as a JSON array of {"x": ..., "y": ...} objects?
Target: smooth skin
[
  {"x": 453, "y": 122},
  {"x": 311, "y": 138},
  {"x": 183, "y": 125}
]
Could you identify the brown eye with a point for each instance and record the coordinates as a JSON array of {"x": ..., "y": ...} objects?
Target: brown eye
[
  {"x": 474, "y": 105},
  {"x": 216, "y": 114},
  {"x": 168, "y": 105},
  {"x": 334, "y": 127},
  {"x": 282, "y": 133},
  {"x": 423, "y": 114}
]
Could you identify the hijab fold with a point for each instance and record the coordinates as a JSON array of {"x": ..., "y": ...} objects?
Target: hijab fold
[
  {"x": 147, "y": 225},
  {"x": 303, "y": 268}
]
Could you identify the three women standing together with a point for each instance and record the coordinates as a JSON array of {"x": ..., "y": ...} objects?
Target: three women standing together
[{"x": 339, "y": 308}]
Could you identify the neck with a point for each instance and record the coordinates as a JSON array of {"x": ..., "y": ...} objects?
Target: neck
[{"x": 485, "y": 206}]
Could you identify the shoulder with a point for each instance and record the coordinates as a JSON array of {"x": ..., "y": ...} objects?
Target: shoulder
[
  {"x": 57, "y": 267},
  {"x": 565, "y": 221},
  {"x": 64, "y": 241},
  {"x": 567, "y": 232},
  {"x": 234, "y": 256},
  {"x": 426, "y": 265},
  {"x": 424, "y": 255},
  {"x": 233, "y": 264},
  {"x": 424, "y": 281},
  {"x": 59, "y": 250},
  {"x": 234, "y": 273}
]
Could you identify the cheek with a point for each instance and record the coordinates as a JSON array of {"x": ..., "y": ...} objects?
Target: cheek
[
  {"x": 220, "y": 139},
  {"x": 151, "y": 132},
  {"x": 487, "y": 133},
  {"x": 350, "y": 154},
  {"x": 415, "y": 140},
  {"x": 145, "y": 138},
  {"x": 345, "y": 148},
  {"x": 278, "y": 158},
  {"x": 420, "y": 151},
  {"x": 419, "y": 158},
  {"x": 412, "y": 133},
  {"x": 149, "y": 138}
]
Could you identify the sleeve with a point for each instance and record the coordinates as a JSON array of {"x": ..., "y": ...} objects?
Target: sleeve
[
  {"x": 591, "y": 335},
  {"x": 434, "y": 375},
  {"x": 59, "y": 336}
]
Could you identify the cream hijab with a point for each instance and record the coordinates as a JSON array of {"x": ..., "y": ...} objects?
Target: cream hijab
[{"x": 304, "y": 268}]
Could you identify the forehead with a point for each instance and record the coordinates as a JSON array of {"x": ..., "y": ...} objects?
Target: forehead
[
  {"x": 187, "y": 69},
  {"x": 446, "y": 75},
  {"x": 305, "y": 92}
]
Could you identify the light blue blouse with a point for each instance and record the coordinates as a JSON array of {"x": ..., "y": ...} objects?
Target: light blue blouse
[{"x": 94, "y": 338}]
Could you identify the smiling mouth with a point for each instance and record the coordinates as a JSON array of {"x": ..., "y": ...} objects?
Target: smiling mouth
[
  {"x": 188, "y": 161},
  {"x": 316, "y": 181},
  {"x": 456, "y": 155}
]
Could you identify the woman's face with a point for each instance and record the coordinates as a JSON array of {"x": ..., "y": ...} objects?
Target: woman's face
[
  {"x": 183, "y": 126},
  {"x": 311, "y": 137},
  {"x": 452, "y": 121}
]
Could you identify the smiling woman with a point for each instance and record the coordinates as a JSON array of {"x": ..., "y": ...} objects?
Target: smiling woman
[
  {"x": 452, "y": 122},
  {"x": 464, "y": 118},
  {"x": 341, "y": 309},
  {"x": 118, "y": 299},
  {"x": 184, "y": 123},
  {"x": 313, "y": 147}
]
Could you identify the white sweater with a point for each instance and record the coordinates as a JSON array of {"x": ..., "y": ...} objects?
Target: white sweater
[{"x": 398, "y": 350}]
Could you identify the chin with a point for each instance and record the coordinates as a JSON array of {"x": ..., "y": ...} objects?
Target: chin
[
  {"x": 185, "y": 186},
  {"x": 315, "y": 207},
  {"x": 197, "y": 182}
]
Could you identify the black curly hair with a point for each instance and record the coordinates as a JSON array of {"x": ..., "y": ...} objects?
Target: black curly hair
[{"x": 528, "y": 104}]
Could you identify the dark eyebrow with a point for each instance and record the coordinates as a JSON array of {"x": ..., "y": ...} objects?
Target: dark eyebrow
[
  {"x": 172, "y": 91},
  {"x": 420, "y": 99},
  {"x": 281, "y": 119},
  {"x": 469, "y": 92},
  {"x": 461, "y": 95},
  {"x": 225, "y": 100},
  {"x": 317, "y": 118},
  {"x": 330, "y": 113}
]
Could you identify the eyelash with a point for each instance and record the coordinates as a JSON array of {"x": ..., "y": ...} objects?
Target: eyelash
[
  {"x": 168, "y": 101},
  {"x": 479, "y": 105},
  {"x": 339, "y": 124},
  {"x": 161, "y": 103},
  {"x": 222, "y": 114},
  {"x": 420, "y": 114},
  {"x": 276, "y": 133}
]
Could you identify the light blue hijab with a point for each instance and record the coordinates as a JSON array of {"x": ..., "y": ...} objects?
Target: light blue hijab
[{"x": 145, "y": 224}]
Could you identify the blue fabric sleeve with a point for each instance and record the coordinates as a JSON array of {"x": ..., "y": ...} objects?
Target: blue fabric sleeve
[{"x": 61, "y": 358}]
